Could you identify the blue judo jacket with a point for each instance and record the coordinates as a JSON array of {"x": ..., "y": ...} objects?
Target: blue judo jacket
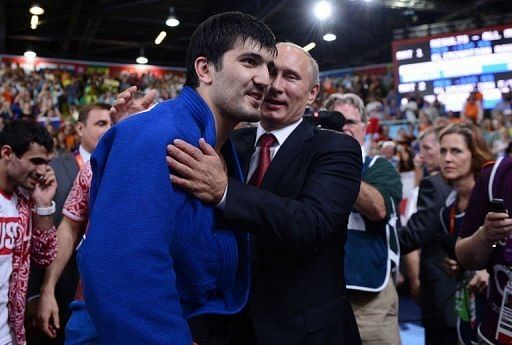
[{"x": 152, "y": 257}]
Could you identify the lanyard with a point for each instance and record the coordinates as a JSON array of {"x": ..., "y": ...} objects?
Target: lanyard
[
  {"x": 452, "y": 219},
  {"x": 78, "y": 159}
]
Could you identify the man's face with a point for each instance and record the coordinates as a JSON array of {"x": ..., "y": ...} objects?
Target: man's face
[
  {"x": 291, "y": 88},
  {"x": 97, "y": 123},
  {"x": 240, "y": 84},
  {"x": 353, "y": 124},
  {"x": 26, "y": 171},
  {"x": 429, "y": 152},
  {"x": 388, "y": 151}
]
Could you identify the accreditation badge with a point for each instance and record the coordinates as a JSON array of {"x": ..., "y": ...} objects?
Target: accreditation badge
[{"x": 504, "y": 329}]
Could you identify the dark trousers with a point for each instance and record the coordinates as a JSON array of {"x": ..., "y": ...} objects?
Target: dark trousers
[
  {"x": 441, "y": 336},
  {"x": 242, "y": 330},
  {"x": 223, "y": 330}
]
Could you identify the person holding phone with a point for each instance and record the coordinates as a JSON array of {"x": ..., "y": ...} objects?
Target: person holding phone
[
  {"x": 485, "y": 242},
  {"x": 27, "y": 187}
]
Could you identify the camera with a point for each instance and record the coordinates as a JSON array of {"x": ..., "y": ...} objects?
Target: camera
[{"x": 323, "y": 118}]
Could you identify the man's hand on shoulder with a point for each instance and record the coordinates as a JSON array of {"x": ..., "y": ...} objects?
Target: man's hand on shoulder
[
  {"x": 200, "y": 171},
  {"x": 126, "y": 105}
]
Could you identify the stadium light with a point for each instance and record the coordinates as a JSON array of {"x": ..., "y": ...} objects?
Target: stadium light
[
  {"x": 142, "y": 60},
  {"x": 160, "y": 37},
  {"x": 323, "y": 10},
  {"x": 329, "y": 37},
  {"x": 34, "y": 21},
  {"x": 36, "y": 10},
  {"x": 309, "y": 46},
  {"x": 29, "y": 54},
  {"x": 172, "y": 21}
]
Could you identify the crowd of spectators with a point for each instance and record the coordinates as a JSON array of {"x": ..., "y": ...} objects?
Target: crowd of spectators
[
  {"x": 53, "y": 97},
  {"x": 384, "y": 104}
]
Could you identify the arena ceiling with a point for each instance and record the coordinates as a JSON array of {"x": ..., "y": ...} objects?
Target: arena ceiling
[{"x": 114, "y": 31}]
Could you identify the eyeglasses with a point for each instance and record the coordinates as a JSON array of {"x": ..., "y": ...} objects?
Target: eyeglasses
[{"x": 351, "y": 122}]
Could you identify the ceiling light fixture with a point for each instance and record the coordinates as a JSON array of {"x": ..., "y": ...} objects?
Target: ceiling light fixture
[
  {"x": 309, "y": 46},
  {"x": 34, "y": 21},
  {"x": 142, "y": 60},
  {"x": 160, "y": 37},
  {"x": 329, "y": 37},
  {"x": 172, "y": 21},
  {"x": 30, "y": 54},
  {"x": 323, "y": 10},
  {"x": 36, "y": 10}
]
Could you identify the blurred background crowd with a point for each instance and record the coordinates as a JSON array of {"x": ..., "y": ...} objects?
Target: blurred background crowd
[{"x": 52, "y": 97}]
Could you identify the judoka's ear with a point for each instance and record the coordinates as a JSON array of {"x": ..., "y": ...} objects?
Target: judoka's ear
[
  {"x": 6, "y": 152},
  {"x": 203, "y": 70}
]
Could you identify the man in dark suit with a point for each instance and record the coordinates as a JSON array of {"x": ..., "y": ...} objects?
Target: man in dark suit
[
  {"x": 93, "y": 121},
  {"x": 434, "y": 285},
  {"x": 305, "y": 182}
]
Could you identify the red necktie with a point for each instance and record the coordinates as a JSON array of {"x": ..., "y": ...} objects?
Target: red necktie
[{"x": 265, "y": 142}]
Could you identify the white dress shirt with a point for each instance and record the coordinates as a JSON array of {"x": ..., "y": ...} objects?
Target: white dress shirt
[
  {"x": 280, "y": 134},
  {"x": 86, "y": 156}
]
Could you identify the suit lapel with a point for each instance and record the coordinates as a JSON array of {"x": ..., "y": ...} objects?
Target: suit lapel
[{"x": 292, "y": 146}]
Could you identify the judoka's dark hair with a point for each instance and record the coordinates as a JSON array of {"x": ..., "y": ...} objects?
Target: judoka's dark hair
[
  {"x": 219, "y": 33},
  {"x": 20, "y": 134}
]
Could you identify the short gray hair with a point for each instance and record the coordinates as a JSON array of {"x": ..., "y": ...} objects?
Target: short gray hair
[
  {"x": 315, "y": 71},
  {"x": 436, "y": 130},
  {"x": 313, "y": 65},
  {"x": 347, "y": 98}
]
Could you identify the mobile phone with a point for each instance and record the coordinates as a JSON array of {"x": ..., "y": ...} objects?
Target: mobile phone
[{"x": 497, "y": 206}]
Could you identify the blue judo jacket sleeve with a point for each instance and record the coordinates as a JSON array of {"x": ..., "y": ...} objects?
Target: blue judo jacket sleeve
[{"x": 125, "y": 261}]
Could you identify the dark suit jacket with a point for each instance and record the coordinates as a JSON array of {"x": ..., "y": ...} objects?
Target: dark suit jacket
[
  {"x": 424, "y": 230},
  {"x": 66, "y": 169},
  {"x": 299, "y": 221}
]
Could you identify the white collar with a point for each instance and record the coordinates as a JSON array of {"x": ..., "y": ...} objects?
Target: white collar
[
  {"x": 363, "y": 152},
  {"x": 86, "y": 156},
  {"x": 280, "y": 134}
]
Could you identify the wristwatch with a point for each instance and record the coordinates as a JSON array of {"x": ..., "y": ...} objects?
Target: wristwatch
[{"x": 46, "y": 211}]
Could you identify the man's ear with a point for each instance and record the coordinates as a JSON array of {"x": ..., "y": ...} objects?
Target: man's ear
[
  {"x": 79, "y": 128},
  {"x": 203, "y": 70},
  {"x": 313, "y": 93},
  {"x": 6, "y": 152}
]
